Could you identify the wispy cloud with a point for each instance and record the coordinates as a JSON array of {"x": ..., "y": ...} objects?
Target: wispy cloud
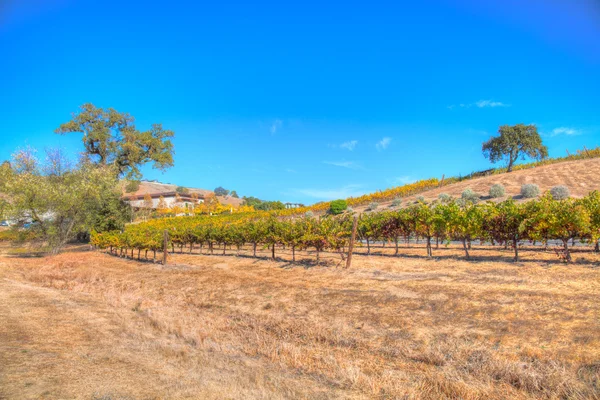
[
  {"x": 349, "y": 145},
  {"x": 343, "y": 164},
  {"x": 331, "y": 194},
  {"x": 275, "y": 126},
  {"x": 564, "y": 130},
  {"x": 402, "y": 180},
  {"x": 479, "y": 104},
  {"x": 383, "y": 143},
  {"x": 490, "y": 103}
]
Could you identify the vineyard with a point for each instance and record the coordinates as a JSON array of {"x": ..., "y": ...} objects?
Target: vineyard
[{"x": 506, "y": 224}]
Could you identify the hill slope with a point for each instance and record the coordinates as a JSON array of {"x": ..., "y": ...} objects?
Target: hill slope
[{"x": 580, "y": 176}]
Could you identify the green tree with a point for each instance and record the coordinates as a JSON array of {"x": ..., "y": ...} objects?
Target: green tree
[
  {"x": 111, "y": 138},
  {"x": 61, "y": 200},
  {"x": 515, "y": 141},
  {"x": 338, "y": 206},
  {"x": 221, "y": 191},
  {"x": 234, "y": 194}
]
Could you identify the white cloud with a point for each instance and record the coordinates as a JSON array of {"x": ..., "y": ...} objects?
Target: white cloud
[
  {"x": 402, "y": 180},
  {"x": 331, "y": 194},
  {"x": 490, "y": 103},
  {"x": 563, "y": 130},
  {"x": 275, "y": 126},
  {"x": 350, "y": 145},
  {"x": 344, "y": 164},
  {"x": 479, "y": 104},
  {"x": 383, "y": 143}
]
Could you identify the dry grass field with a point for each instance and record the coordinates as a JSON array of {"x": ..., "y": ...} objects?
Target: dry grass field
[
  {"x": 580, "y": 176},
  {"x": 87, "y": 325}
]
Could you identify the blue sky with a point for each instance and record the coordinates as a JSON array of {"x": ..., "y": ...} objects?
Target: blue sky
[{"x": 311, "y": 100}]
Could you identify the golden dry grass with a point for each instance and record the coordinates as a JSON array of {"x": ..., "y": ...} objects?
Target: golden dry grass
[
  {"x": 89, "y": 325},
  {"x": 580, "y": 176}
]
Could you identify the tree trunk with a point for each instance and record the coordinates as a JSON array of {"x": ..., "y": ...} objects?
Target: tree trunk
[
  {"x": 273, "y": 251},
  {"x": 429, "y": 252},
  {"x": 224, "y": 247},
  {"x": 139, "y": 253},
  {"x": 567, "y": 252},
  {"x": 437, "y": 242},
  {"x": 191, "y": 247},
  {"x": 368, "y": 247},
  {"x": 464, "y": 242},
  {"x": 254, "y": 249},
  {"x": 317, "y": 256},
  {"x": 597, "y": 247},
  {"x": 293, "y": 254},
  {"x": 516, "y": 244},
  {"x": 396, "y": 242}
]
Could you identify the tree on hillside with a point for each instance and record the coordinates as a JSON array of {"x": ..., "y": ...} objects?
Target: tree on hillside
[
  {"x": 221, "y": 191},
  {"x": 234, "y": 194},
  {"x": 111, "y": 138},
  {"x": 514, "y": 142},
  {"x": 61, "y": 200}
]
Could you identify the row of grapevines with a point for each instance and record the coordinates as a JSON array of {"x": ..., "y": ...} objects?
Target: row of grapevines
[{"x": 507, "y": 223}]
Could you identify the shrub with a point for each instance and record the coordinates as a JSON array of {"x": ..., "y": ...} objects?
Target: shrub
[
  {"x": 397, "y": 202},
  {"x": 530, "y": 190},
  {"x": 350, "y": 210},
  {"x": 373, "y": 206},
  {"x": 468, "y": 195},
  {"x": 560, "y": 192},
  {"x": 338, "y": 206},
  {"x": 496, "y": 191},
  {"x": 444, "y": 197},
  {"x": 309, "y": 214}
]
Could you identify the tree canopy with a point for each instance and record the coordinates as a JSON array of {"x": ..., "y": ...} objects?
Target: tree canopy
[
  {"x": 221, "y": 191},
  {"x": 111, "y": 138},
  {"x": 59, "y": 199},
  {"x": 515, "y": 141}
]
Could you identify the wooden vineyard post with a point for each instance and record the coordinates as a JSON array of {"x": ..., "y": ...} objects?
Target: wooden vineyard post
[
  {"x": 351, "y": 244},
  {"x": 442, "y": 181},
  {"x": 165, "y": 246}
]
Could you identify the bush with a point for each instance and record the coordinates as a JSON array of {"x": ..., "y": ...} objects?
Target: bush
[
  {"x": 496, "y": 191},
  {"x": 373, "y": 206},
  {"x": 468, "y": 195},
  {"x": 309, "y": 214},
  {"x": 350, "y": 210},
  {"x": 530, "y": 190},
  {"x": 420, "y": 199},
  {"x": 560, "y": 192},
  {"x": 397, "y": 202},
  {"x": 444, "y": 197},
  {"x": 338, "y": 206}
]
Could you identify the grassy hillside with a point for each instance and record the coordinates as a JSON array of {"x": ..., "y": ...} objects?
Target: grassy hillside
[
  {"x": 580, "y": 176},
  {"x": 578, "y": 171}
]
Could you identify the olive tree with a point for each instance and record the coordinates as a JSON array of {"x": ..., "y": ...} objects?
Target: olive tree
[
  {"x": 61, "y": 200},
  {"x": 514, "y": 142}
]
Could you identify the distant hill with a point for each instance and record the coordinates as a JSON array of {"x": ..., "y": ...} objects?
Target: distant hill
[{"x": 580, "y": 176}]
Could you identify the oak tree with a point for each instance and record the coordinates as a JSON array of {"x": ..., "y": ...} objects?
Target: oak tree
[{"x": 514, "y": 142}]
